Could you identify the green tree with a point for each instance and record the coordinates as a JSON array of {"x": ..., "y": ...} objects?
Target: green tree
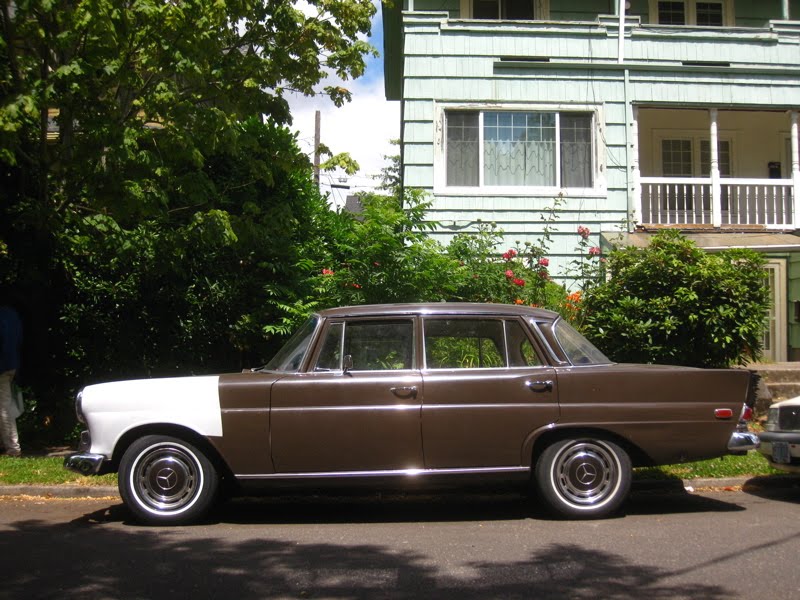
[
  {"x": 674, "y": 303},
  {"x": 147, "y": 177}
]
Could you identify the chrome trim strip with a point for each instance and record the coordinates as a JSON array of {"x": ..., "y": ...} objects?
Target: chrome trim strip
[
  {"x": 398, "y": 407},
  {"x": 529, "y": 404},
  {"x": 386, "y": 473}
]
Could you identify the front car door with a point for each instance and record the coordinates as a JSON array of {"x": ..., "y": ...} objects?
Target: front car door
[
  {"x": 487, "y": 390},
  {"x": 357, "y": 409}
]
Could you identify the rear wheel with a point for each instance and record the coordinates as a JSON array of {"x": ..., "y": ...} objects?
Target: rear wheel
[
  {"x": 583, "y": 478},
  {"x": 165, "y": 480}
]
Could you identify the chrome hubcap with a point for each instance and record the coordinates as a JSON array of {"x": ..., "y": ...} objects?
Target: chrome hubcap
[
  {"x": 586, "y": 473},
  {"x": 166, "y": 478}
]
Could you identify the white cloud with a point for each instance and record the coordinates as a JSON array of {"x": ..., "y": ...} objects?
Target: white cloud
[{"x": 362, "y": 127}]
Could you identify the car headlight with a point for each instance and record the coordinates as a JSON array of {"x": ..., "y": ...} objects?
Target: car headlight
[{"x": 772, "y": 420}]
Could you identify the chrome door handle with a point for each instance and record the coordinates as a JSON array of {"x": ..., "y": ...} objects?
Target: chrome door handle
[
  {"x": 409, "y": 391},
  {"x": 540, "y": 386}
]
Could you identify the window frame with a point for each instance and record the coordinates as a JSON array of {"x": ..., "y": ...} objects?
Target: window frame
[
  {"x": 690, "y": 11},
  {"x": 504, "y": 320},
  {"x": 598, "y": 166},
  {"x": 541, "y": 9},
  {"x": 345, "y": 321},
  {"x": 696, "y": 138}
]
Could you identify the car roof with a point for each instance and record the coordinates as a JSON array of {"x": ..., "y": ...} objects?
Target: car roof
[{"x": 440, "y": 308}]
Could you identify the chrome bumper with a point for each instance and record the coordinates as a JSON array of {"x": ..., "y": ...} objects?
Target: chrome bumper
[
  {"x": 742, "y": 441},
  {"x": 84, "y": 463}
]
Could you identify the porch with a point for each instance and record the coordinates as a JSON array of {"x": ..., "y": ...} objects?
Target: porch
[{"x": 741, "y": 171}]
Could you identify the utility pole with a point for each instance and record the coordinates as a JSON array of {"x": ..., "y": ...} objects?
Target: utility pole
[{"x": 316, "y": 147}]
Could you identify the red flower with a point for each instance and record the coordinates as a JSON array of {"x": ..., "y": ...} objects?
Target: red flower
[
  {"x": 509, "y": 273},
  {"x": 327, "y": 271},
  {"x": 583, "y": 231},
  {"x": 519, "y": 282},
  {"x": 509, "y": 254},
  {"x": 544, "y": 262},
  {"x": 594, "y": 251},
  {"x": 519, "y": 301},
  {"x": 357, "y": 286}
]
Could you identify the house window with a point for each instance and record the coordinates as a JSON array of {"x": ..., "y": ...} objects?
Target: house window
[
  {"x": 676, "y": 158},
  {"x": 671, "y": 13},
  {"x": 519, "y": 10},
  {"x": 709, "y": 14},
  {"x": 723, "y": 155},
  {"x": 519, "y": 149},
  {"x": 691, "y": 12}
]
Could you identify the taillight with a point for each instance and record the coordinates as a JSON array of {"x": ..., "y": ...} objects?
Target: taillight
[
  {"x": 747, "y": 413},
  {"x": 723, "y": 413}
]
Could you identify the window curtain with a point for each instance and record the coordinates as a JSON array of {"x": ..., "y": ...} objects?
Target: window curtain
[
  {"x": 462, "y": 148},
  {"x": 576, "y": 150},
  {"x": 519, "y": 149}
]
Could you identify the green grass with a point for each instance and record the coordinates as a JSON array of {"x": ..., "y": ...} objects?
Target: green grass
[
  {"x": 37, "y": 470},
  {"x": 751, "y": 464},
  {"x": 45, "y": 470}
]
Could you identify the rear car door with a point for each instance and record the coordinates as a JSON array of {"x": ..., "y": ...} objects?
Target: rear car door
[{"x": 487, "y": 390}]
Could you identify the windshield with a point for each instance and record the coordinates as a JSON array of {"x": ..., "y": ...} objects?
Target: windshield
[
  {"x": 578, "y": 349},
  {"x": 290, "y": 357}
]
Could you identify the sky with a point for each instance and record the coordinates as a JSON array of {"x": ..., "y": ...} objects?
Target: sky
[{"x": 362, "y": 127}]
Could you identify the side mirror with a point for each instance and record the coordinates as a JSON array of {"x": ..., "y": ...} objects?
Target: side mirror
[{"x": 347, "y": 363}]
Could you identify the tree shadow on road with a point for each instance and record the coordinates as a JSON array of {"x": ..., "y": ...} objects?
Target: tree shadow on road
[{"x": 87, "y": 560}]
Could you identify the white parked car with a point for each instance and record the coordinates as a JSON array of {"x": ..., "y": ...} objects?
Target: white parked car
[{"x": 780, "y": 442}]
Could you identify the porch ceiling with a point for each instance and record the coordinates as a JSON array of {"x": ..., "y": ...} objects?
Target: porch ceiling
[{"x": 763, "y": 242}]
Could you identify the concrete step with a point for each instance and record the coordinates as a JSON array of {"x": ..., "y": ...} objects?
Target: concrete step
[
  {"x": 779, "y": 381},
  {"x": 783, "y": 390}
]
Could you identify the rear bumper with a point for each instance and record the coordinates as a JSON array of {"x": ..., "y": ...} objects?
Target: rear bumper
[
  {"x": 85, "y": 463},
  {"x": 742, "y": 441}
]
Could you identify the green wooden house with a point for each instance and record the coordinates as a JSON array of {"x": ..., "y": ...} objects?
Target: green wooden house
[{"x": 628, "y": 115}]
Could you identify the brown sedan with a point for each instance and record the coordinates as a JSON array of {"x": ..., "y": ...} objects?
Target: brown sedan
[{"x": 417, "y": 391}]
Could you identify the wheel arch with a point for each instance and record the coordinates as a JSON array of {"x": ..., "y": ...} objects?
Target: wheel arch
[
  {"x": 180, "y": 432},
  {"x": 639, "y": 458}
]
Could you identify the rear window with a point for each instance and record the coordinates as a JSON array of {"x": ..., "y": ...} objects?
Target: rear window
[{"x": 578, "y": 349}]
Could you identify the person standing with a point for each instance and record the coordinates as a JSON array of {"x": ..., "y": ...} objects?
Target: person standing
[{"x": 10, "y": 350}]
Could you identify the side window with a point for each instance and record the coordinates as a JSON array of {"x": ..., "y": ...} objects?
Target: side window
[
  {"x": 372, "y": 345},
  {"x": 521, "y": 352},
  {"x": 464, "y": 344}
]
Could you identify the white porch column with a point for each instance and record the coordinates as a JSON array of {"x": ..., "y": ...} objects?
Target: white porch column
[
  {"x": 785, "y": 9},
  {"x": 795, "y": 168},
  {"x": 716, "y": 187},
  {"x": 621, "y": 31},
  {"x": 635, "y": 172}
]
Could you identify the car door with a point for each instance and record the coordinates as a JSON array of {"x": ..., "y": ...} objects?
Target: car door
[
  {"x": 357, "y": 409},
  {"x": 486, "y": 390}
]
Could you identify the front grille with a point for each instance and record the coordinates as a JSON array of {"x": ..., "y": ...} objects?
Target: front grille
[{"x": 789, "y": 418}]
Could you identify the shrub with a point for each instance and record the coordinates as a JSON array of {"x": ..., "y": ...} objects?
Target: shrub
[{"x": 673, "y": 303}]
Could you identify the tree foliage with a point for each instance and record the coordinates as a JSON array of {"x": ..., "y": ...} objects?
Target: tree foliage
[
  {"x": 151, "y": 198},
  {"x": 673, "y": 303}
]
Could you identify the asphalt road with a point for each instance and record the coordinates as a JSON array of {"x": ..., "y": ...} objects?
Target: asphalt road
[{"x": 709, "y": 545}]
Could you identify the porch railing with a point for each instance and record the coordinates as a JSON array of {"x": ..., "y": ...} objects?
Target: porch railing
[{"x": 689, "y": 201}]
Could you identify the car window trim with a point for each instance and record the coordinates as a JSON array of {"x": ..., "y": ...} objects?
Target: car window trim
[{"x": 344, "y": 320}]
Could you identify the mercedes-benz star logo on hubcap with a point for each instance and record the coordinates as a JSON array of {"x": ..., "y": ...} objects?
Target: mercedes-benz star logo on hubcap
[
  {"x": 166, "y": 479},
  {"x": 586, "y": 474}
]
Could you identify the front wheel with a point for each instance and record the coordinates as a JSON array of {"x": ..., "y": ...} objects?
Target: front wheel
[
  {"x": 166, "y": 481},
  {"x": 583, "y": 478}
]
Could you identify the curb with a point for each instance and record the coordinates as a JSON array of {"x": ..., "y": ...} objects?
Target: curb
[{"x": 60, "y": 491}]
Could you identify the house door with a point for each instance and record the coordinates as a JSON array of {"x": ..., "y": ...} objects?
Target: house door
[{"x": 775, "y": 325}]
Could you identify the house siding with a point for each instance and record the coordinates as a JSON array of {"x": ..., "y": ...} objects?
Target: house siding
[{"x": 557, "y": 65}]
